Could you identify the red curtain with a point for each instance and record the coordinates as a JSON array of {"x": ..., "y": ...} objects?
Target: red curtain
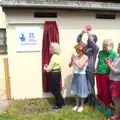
[{"x": 51, "y": 34}]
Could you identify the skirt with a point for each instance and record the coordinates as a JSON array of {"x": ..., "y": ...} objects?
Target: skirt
[
  {"x": 115, "y": 89},
  {"x": 79, "y": 86}
]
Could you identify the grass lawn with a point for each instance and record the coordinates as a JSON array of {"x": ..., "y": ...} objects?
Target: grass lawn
[{"x": 38, "y": 109}]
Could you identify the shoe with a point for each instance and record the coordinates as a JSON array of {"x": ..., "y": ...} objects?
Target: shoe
[
  {"x": 63, "y": 104},
  {"x": 100, "y": 107},
  {"x": 80, "y": 109},
  {"x": 107, "y": 112},
  {"x": 56, "y": 107},
  {"x": 75, "y": 108},
  {"x": 114, "y": 118}
]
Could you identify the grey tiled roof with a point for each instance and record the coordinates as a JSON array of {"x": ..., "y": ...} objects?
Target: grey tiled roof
[{"x": 66, "y": 4}]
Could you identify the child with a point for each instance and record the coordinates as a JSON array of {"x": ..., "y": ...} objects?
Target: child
[
  {"x": 91, "y": 50},
  {"x": 115, "y": 83},
  {"x": 79, "y": 86},
  {"x": 102, "y": 76}
]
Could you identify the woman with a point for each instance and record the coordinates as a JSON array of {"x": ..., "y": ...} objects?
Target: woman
[
  {"x": 79, "y": 86},
  {"x": 115, "y": 83},
  {"x": 55, "y": 68},
  {"x": 102, "y": 76}
]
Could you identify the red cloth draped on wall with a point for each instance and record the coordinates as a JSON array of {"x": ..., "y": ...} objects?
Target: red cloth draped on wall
[{"x": 51, "y": 34}]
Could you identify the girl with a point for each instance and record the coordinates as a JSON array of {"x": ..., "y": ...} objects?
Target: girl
[
  {"x": 115, "y": 83},
  {"x": 79, "y": 86}
]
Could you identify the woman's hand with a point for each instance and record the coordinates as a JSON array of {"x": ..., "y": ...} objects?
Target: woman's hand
[
  {"x": 73, "y": 58},
  {"x": 108, "y": 61},
  {"x": 45, "y": 66}
]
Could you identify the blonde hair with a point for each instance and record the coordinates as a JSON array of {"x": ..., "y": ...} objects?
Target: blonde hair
[
  {"x": 55, "y": 47},
  {"x": 109, "y": 43}
]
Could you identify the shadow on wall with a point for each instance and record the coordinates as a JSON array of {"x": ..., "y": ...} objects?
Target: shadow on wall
[
  {"x": 67, "y": 85},
  {"x": 66, "y": 89}
]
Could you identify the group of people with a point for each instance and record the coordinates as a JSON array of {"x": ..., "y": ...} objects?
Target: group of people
[{"x": 107, "y": 74}]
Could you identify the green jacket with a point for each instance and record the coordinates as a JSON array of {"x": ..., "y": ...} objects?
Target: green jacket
[{"x": 102, "y": 67}]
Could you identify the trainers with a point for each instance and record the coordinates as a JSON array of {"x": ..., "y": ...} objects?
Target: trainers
[
  {"x": 107, "y": 112},
  {"x": 100, "y": 107},
  {"x": 75, "y": 108},
  {"x": 80, "y": 109}
]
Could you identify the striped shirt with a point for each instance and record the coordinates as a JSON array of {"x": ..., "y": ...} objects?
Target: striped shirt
[{"x": 115, "y": 75}]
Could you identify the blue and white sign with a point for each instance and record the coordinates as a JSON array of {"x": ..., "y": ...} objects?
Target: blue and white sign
[{"x": 28, "y": 39}]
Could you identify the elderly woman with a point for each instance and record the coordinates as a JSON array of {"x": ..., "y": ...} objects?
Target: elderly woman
[
  {"x": 115, "y": 83},
  {"x": 79, "y": 86},
  {"x": 55, "y": 68},
  {"x": 102, "y": 76}
]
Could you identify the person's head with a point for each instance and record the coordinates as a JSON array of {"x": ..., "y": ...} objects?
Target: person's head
[
  {"x": 108, "y": 45},
  {"x": 54, "y": 48},
  {"x": 118, "y": 50},
  {"x": 94, "y": 38},
  {"x": 79, "y": 48}
]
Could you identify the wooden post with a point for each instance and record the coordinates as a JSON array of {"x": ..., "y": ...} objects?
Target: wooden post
[{"x": 7, "y": 79}]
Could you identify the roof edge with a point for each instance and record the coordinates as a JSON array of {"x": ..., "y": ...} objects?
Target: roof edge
[{"x": 66, "y": 5}]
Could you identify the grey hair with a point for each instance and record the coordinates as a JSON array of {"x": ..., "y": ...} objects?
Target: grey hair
[
  {"x": 55, "y": 47},
  {"x": 109, "y": 43}
]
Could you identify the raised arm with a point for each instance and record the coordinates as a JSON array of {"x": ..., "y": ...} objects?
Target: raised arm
[
  {"x": 93, "y": 45},
  {"x": 71, "y": 62}
]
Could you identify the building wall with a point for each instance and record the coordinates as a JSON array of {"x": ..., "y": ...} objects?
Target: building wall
[
  {"x": 25, "y": 68},
  {"x": 2, "y": 74},
  {"x": 2, "y": 19}
]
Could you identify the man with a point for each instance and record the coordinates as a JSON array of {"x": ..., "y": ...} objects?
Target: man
[{"x": 91, "y": 49}]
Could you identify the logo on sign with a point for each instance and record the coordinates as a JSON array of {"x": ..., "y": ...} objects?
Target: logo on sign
[
  {"x": 22, "y": 38},
  {"x": 31, "y": 37}
]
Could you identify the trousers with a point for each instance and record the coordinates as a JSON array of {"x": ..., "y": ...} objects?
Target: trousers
[
  {"x": 91, "y": 84},
  {"x": 55, "y": 88}
]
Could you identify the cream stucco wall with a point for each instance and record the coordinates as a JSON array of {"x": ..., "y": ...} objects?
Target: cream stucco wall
[
  {"x": 2, "y": 74},
  {"x": 2, "y": 19},
  {"x": 25, "y": 68}
]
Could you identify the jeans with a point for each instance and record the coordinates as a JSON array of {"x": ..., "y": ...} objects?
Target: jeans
[{"x": 91, "y": 84}]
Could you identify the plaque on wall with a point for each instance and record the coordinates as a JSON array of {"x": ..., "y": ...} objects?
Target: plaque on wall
[{"x": 28, "y": 39}]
